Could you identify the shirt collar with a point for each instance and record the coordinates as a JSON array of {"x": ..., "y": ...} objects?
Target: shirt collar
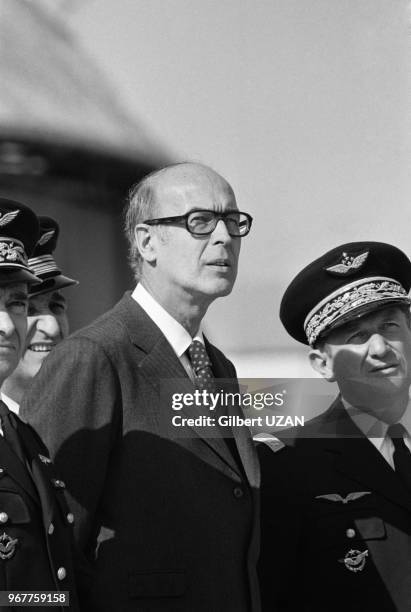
[
  {"x": 372, "y": 427},
  {"x": 175, "y": 333},
  {"x": 10, "y": 403},
  {"x": 406, "y": 420}
]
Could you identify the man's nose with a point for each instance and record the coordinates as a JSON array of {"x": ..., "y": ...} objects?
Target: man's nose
[
  {"x": 220, "y": 233},
  {"x": 7, "y": 326},
  {"x": 48, "y": 324},
  {"x": 378, "y": 346}
]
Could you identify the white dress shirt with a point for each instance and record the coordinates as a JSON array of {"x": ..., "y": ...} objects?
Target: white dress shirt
[
  {"x": 176, "y": 335},
  {"x": 376, "y": 430}
]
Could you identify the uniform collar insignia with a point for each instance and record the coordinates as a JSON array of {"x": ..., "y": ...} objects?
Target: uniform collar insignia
[
  {"x": 271, "y": 441},
  {"x": 44, "y": 459}
]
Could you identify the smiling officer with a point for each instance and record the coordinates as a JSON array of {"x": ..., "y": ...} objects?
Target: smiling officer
[
  {"x": 47, "y": 321},
  {"x": 336, "y": 502},
  {"x": 36, "y": 524}
]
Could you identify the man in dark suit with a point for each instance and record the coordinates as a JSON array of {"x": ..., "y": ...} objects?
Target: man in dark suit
[
  {"x": 166, "y": 515},
  {"x": 336, "y": 500},
  {"x": 36, "y": 545}
]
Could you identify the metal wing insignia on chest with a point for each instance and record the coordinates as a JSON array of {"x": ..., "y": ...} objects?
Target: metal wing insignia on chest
[{"x": 336, "y": 497}]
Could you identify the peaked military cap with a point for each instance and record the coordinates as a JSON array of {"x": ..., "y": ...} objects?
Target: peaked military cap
[
  {"x": 42, "y": 262},
  {"x": 345, "y": 283},
  {"x": 19, "y": 230}
]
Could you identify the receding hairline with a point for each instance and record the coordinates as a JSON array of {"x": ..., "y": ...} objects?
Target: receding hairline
[{"x": 183, "y": 170}]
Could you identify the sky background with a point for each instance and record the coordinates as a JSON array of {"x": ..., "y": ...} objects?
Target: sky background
[{"x": 302, "y": 106}]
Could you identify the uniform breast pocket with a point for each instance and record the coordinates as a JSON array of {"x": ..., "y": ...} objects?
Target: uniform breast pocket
[
  {"x": 13, "y": 508},
  {"x": 351, "y": 525}
]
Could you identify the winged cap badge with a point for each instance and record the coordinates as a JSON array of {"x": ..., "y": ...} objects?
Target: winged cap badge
[
  {"x": 348, "y": 264},
  {"x": 7, "y": 546},
  {"x": 46, "y": 237},
  {"x": 335, "y": 497},
  {"x": 5, "y": 219}
]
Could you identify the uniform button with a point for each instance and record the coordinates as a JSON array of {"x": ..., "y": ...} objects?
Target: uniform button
[
  {"x": 1, "y": 471},
  {"x": 350, "y": 533},
  {"x": 59, "y": 484},
  {"x": 70, "y": 517},
  {"x": 238, "y": 492},
  {"x": 51, "y": 529},
  {"x": 61, "y": 573},
  {"x": 4, "y": 517}
]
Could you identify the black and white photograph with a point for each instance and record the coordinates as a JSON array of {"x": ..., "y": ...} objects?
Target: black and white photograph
[{"x": 205, "y": 329}]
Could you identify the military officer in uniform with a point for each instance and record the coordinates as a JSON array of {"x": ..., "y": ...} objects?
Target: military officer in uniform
[
  {"x": 35, "y": 521},
  {"x": 47, "y": 321},
  {"x": 336, "y": 499}
]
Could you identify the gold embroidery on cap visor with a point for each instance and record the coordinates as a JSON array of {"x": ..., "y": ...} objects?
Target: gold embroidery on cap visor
[{"x": 349, "y": 298}]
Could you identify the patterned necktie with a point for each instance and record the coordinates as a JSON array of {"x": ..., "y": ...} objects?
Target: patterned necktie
[
  {"x": 201, "y": 364},
  {"x": 402, "y": 455},
  {"x": 204, "y": 380}
]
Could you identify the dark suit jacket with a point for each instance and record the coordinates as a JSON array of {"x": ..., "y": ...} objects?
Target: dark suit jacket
[
  {"x": 308, "y": 531},
  {"x": 167, "y": 521},
  {"x": 36, "y": 539}
]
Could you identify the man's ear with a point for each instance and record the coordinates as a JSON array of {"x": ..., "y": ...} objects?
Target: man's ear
[
  {"x": 144, "y": 237},
  {"x": 322, "y": 363}
]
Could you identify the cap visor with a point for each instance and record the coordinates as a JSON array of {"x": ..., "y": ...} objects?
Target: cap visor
[
  {"x": 53, "y": 284},
  {"x": 18, "y": 276}
]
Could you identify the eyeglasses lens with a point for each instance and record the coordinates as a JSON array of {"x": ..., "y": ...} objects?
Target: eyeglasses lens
[{"x": 204, "y": 222}]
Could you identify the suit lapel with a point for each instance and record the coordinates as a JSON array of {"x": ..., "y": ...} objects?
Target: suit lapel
[
  {"x": 241, "y": 435},
  {"x": 357, "y": 457},
  {"x": 164, "y": 371}
]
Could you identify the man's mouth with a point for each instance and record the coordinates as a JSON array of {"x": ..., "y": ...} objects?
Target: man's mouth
[
  {"x": 385, "y": 369},
  {"x": 7, "y": 347},
  {"x": 223, "y": 263},
  {"x": 41, "y": 348}
]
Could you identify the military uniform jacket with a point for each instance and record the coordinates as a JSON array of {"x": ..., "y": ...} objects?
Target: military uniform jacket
[
  {"x": 36, "y": 539},
  {"x": 167, "y": 521},
  {"x": 336, "y": 523}
]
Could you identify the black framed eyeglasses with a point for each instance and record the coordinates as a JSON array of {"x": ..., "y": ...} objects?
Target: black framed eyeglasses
[{"x": 203, "y": 222}]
